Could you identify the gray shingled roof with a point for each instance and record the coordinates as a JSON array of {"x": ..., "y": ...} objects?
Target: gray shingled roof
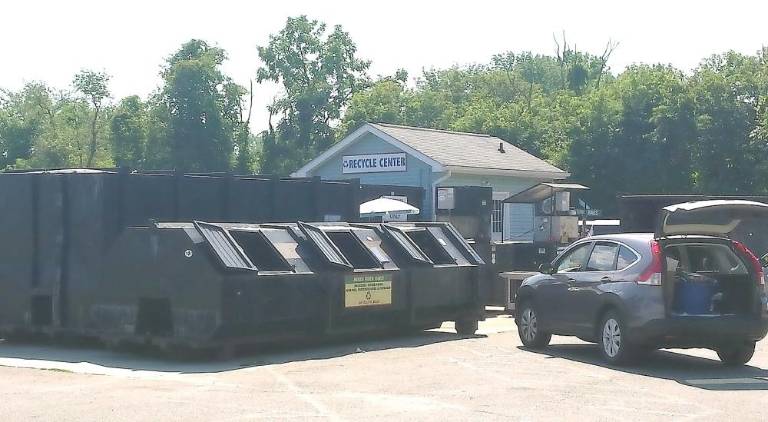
[{"x": 470, "y": 150}]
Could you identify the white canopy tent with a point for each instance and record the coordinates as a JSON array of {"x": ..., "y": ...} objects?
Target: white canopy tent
[{"x": 386, "y": 208}]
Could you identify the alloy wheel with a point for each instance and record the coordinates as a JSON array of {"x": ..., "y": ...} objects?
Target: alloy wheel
[
  {"x": 611, "y": 337},
  {"x": 528, "y": 324}
]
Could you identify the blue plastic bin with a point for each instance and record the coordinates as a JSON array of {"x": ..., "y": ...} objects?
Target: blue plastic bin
[{"x": 693, "y": 294}]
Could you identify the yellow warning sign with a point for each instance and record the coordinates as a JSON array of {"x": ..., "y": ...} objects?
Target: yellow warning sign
[{"x": 367, "y": 290}]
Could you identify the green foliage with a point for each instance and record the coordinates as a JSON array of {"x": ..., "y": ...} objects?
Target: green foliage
[
  {"x": 635, "y": 135},
  {"x": 728, "y": 91},
  {"x": 386, "y": 101},
  {"x": 92, "y": 85},
  {"x": 43, "y": 128},
  {"x": 319, "y": 74},
  {"x": 651, "y": 129},
  {"x": 194, "y": 111},
  {"x": 194, "y": 122},
  {"x": 21, "y": 122},
  {"x": 128, "y": 133}
]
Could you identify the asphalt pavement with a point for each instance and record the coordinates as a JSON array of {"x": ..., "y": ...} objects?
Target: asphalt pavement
[{"x": 434, "y": 375}]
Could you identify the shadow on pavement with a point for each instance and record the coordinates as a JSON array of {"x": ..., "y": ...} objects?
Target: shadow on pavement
[
  {"x": 103, "y": 361},
  {"x": 693, "y": 371}
]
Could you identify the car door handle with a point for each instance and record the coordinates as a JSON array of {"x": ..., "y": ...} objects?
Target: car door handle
[
  {"x": 606, "y": 279},
  {"x": 572, "y": 285}
]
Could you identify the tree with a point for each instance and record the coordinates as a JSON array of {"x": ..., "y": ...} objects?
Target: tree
[
  {"x": 93, "y": 85},
  {"x": 21, "y": 122},
  {"x": 194, "y": 114},
  {"x": 634, "y": 136},
  {"x": 386, "y": 101},
  {"x": 245, "y": 159},
  {"x": 579, "y": 69},
  {"x": 319, "y": 74},
  {"x": 128, "y": 132},
  {"x": 610, "y": 46},
  {"x": 630, "y": 133},
  {"x": 42, "y": 128},
  {"x": 759, "y": 135},
  {"x": 727, "y": 91}
]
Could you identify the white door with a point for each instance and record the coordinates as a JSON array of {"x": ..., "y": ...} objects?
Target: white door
[{"x": 497, "y": 216}]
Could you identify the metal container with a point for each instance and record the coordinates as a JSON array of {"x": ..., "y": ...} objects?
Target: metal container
[
  {"x": 59, "y": 226},
  {"x": 445, "y": 274},
  {"x": 206, "y": 285}
]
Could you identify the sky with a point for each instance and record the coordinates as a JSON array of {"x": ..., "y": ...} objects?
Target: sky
[{"x": 52, "y": 40}]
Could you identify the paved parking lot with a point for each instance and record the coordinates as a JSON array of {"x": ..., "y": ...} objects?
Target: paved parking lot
[{"x": 433, "y": 375}]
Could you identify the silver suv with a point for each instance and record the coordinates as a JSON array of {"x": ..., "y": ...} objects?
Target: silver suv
[{"x": 690, "y": 284}]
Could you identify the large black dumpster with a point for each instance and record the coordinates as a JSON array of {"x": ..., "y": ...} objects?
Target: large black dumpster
[
  {"x": 18, "y": 272},
  {"x": 203, "y": 284},
  {"x": 444, "y": 273},
  {"x": 468, "y": 209},
  {"x": 422, "y": 274},
  {"x": 83, "y": 254},
  {"x": 209, "y": 285}
]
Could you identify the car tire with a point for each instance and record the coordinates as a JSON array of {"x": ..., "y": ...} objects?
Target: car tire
[
  {"x": 466, "y": 326},
  {"x": 528, "y": 328},
  {"x": 612, "y": 340},
  {"x": 736, "y": 355}
]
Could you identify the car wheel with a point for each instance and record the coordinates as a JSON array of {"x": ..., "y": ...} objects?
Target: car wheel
[
  {"x": 528, "y": 328},
  {"x": 736, "y": 355},
  {"x": 612, "y": 339}
]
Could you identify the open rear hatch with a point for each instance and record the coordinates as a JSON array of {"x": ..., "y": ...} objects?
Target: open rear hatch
[
  {"x": 715, "y": 274},
  {"x": 733, "y": 219}
]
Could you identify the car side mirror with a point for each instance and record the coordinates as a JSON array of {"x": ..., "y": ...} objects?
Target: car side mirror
[{"x": 546, "y": 268}]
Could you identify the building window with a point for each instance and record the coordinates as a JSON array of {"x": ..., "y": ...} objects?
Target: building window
[{"x": 497, "y": 216}]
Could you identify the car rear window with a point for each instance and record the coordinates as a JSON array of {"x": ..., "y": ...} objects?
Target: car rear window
[
  {"x": 704, "y": 258},
  {"x": 625, "y": 259}
]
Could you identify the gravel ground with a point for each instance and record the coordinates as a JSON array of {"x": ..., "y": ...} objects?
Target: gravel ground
[{"x": 434, "y": 375}]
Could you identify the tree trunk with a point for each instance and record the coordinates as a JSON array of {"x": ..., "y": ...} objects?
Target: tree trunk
[{"x": 92, "y": 146}]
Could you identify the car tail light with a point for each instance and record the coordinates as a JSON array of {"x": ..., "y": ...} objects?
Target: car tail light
[
  {"x": 753, "y": 261},
  {"x": 652, "y": 275}
]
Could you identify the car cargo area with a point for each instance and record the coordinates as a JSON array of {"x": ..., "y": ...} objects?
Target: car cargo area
[{"x": 707, "y": 278}]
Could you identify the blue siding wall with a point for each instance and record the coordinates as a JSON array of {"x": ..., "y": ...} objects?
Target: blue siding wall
[{"x": 417, "y": 172}]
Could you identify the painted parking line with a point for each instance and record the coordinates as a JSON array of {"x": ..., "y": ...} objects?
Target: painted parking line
[
  {"x": 726, "y": 381},
  {"x": 729, "y": 384}
]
